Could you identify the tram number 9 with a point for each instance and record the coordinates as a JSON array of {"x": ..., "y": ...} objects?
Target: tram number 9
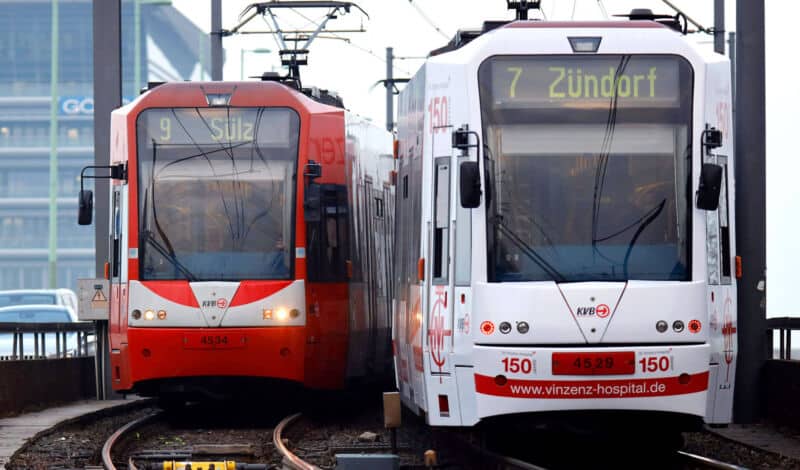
[
  {"x": 515, "y": 365},
  {"x": 655, "y": 364},
  {"x": 166, "y": 129}
]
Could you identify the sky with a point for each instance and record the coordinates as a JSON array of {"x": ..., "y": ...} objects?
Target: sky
[{"x": 413, "y": 28}]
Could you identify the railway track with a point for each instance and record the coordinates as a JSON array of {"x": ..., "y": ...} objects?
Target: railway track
[
  {"x": 707, "y": 462},
  {"x": 480, "y": 456},
  {"x": 289, "y": 460}
]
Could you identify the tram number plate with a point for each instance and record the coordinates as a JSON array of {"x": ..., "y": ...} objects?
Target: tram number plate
[
  {"x": 213, "y": 341},
  {"x": 594, "y": 363}
]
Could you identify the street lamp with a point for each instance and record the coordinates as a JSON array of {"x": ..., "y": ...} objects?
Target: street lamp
[{"x": 241, "y": 58}]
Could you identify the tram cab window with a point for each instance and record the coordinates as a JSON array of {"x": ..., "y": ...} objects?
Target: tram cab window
[
  {"x": 216, "y": 192},
  {"x": 589, "y": 161},
  {"x": 327, "y": 238}
]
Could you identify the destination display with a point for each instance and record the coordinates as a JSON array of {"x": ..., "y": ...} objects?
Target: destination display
[
  {"x": 202, "y": 126},
  {"x": 585, "y": 81}
]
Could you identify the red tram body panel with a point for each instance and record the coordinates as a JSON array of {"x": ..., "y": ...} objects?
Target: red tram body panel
[{"x": 238, "y": 242}]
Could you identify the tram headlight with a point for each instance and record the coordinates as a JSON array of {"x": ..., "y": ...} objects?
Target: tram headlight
[
  {"x": 505, "y": 327},
  {"x": 661, "y": 326},
  {"x": 523, "y": 327},
  {"x": 149, "y": 314},
  {"x": 282, "y": 313},
  {"x": 136, "y": 314},
  {"x": 162, "y": 314},
  {"x": 677, "y": 325}
]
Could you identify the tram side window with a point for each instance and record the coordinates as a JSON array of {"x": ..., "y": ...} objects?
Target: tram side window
[
  {"x": 327, "y": 238},
  {"x": 441, "y": 221},
  {"x": 115, "y": 235},
  {"x": 724, "y": 227}
]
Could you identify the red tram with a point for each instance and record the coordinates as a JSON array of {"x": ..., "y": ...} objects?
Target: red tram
[{"x": 250, "y": 238}]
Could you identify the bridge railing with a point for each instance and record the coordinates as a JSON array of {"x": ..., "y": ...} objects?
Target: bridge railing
[
  {"x": 27, "y": 341},
  {"x": 785, "y": 326}
]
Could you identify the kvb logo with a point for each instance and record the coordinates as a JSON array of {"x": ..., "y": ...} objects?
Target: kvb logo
[
  {"x": 219, "y": 303},
  {"x": 601, "y": 311}
]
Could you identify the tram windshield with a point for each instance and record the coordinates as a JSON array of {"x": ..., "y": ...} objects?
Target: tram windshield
[
  {"x": 588, "y": 160},
  {"x": 216, "y": 193}
]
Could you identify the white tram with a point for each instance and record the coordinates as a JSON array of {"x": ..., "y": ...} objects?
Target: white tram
[{"x": 565, "y": 226}]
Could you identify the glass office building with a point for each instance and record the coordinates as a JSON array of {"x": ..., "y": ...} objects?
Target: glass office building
[{"x": 158, "y": 44}]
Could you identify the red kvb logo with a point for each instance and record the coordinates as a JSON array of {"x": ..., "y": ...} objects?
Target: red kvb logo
[
  {"x": 219, "y": 303},
  {"x": 601, "y": 311}
]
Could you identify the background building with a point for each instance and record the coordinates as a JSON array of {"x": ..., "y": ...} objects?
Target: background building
[{"x": 158, "y": 44}]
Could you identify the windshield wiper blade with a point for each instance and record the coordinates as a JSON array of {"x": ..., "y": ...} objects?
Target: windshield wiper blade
[
  {"x": 529, "y": 251},
  {"x": 655, "y": 213},
  {"x": 149, "y": 238}
]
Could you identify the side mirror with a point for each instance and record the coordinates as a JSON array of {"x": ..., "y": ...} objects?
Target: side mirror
[
  {"x": 709, "y": 188},
  {"x": 313, "y": 170},
  {"x": 85, "y": 206},
  {"x": 470, "y": 185}
]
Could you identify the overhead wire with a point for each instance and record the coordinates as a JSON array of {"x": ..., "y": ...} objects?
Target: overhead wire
[
  {"x": 350, "y": 43},
  {"x": 602, "y": 8},
  {"x": 428, "y": 19}
]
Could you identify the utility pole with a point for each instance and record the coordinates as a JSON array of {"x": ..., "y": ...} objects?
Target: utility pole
[
  {"x": 389, "y": 89},
  {"x": 106, "y": 24},
  {"x": 750, "y": 145},
  {"x": 53, "y": 206},
  {"x": 216, "y": 40},
  {"x": 719, "y": 26}
]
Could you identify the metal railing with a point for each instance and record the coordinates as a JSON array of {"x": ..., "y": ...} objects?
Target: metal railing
[
  {"x": 785, "y": 325},
  {"x": 46, "y": 340}
]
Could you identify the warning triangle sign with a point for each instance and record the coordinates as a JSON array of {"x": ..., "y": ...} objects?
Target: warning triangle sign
[{"x": 98, "y": 296}]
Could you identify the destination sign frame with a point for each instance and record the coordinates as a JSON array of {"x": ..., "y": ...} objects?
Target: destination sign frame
[
  {"x": 585, "y": 82},
  {"x": 268, "y": 126}
]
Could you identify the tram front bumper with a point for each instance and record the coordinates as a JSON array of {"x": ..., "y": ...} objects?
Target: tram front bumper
[{"x": 645, "y": 378}]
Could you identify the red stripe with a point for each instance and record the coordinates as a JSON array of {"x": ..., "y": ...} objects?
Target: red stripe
[
  {"x": 251, "y": 291},
  {"x": 586, "y": 24},
  {"x": 174, "y": 291},
  {"x": 567, "y": 389}
]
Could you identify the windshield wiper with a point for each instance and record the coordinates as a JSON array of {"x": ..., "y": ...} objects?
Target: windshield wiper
[
  {"x": 529, "y": 251},
  {"x": 653, "y": 216},
  {"x": 148, "y": 237}
]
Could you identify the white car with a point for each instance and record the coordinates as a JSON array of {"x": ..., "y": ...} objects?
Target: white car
[
  {"x": 64, "y": 297},
  {"x": 39, "y": 314}
]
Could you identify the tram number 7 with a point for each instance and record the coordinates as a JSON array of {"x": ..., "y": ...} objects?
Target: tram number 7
[
  {"x": 655, "y": 364},
  {"x": 517, "y": 364}
]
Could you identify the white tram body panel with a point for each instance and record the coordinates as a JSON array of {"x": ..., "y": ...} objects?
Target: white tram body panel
[{"x": 455, "y": 287}]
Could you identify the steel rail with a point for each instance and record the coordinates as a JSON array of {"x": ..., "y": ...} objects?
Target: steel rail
[
  {"x": 290, "y": 460},
  {"x": 510, "y": 463},
  {"x": 709, "y": 462},
  {"x": 105, "y": 454}
]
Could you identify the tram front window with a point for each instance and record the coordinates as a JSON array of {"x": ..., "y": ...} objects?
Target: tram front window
[
  {"x": 588, "y": 159},
  {"x": 216, "y": 193}
]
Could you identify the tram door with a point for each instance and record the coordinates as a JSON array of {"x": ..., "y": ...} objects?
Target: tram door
[
  {"x": 440, "y": 328},
  {"x": 115, "y": 257}
]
